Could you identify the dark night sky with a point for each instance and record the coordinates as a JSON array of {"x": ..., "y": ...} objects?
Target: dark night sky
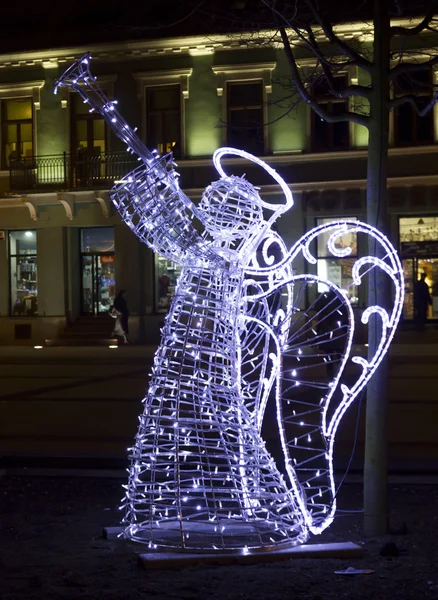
[{"x": 31, "y": 25}]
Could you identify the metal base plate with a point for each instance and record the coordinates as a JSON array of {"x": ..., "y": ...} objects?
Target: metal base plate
[{"x": 170, "y": 560}]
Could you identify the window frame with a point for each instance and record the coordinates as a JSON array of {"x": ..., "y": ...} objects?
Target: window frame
[
  {"x": 18, "y": 91},
  {"x": 244, "y": 107},
  {"x": 244, "y": 73},
  {"x": 432, "y": 115},
  {"x": 329, "y": 101},
  {"x": 75, "y": 117},
  {"x": 150, "y": 111},
  {"x": 155, "y": 79}
]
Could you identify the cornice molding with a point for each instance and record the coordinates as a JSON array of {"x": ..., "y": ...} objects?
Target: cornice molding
[
  {"x": 33, "y": 203},
  {"x": 190, "y": 45},
  {"x": 23, "y": 89},
  {"x": 165, "y": 77},
  {"x": 300, "y": 157},
  {"x": 243, "y": 72}
]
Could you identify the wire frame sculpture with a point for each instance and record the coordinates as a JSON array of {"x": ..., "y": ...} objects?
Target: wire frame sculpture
[{"x": 235, "y": 445}]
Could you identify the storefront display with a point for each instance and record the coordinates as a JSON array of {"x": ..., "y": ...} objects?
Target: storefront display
[
  {"x": 23, "y": 273},
  {"x": 419, "y": 249},
  {"x": 166, "y": 274},
  {"x": 337, "y": 270}
]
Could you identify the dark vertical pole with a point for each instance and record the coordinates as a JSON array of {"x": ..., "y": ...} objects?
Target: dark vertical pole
[{"x": 376, "y": 435}]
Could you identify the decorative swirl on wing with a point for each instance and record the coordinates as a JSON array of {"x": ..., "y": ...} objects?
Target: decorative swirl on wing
[
  {"x": 263, "y": 325},
  {"x": 310, "y": 403}
]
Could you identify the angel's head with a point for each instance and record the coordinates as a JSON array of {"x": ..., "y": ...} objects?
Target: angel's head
[{"x": 231, "y": 209}]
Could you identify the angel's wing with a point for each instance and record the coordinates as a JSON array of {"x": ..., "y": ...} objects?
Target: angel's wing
[
  {"x": 314, "y": 360},
  {"x": 259, "y": 347},
  {"x": 320, "y": 371}
]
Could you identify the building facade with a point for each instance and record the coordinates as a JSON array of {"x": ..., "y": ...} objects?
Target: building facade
[{"x": 64, "y": 251}]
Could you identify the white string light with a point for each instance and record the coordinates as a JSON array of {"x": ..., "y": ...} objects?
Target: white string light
[{"x": 245, "y": 339}]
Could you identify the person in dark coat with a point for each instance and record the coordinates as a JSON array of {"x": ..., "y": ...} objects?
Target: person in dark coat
[
  {"x": 422, "y": 301},
  {"x": 121, "y": 306}
]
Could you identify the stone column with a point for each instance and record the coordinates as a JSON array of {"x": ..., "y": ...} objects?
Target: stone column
[{"x": 51, "y": 248}]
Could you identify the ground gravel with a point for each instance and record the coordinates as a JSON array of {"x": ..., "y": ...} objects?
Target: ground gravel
[{"x": 51, "y": 547}]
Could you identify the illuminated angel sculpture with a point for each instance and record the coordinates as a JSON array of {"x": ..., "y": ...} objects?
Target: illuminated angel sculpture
[{"x": 249, "y": 350}]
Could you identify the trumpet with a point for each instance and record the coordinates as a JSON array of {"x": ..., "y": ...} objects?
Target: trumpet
[{"x": 151, "y": 192}]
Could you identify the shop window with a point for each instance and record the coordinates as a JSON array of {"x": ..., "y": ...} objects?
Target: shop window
[
  {"x": 97, "y": 270},
  {"x": 163, "y": 119},
  {"x": 409, "y": 128},
  {"x": 337, "y": 270},
  {"x": 23, "y": 273},
  {"x": 418, "y": 229},
  {"x": 166, "y": 274},
  {"x": 97, "y": 239},
  {"x": 326, "y": 136},
  {"x": 17, "y": 132},
  {"x": 245, "y": 116},
  {"x": 419, "y": 249}
]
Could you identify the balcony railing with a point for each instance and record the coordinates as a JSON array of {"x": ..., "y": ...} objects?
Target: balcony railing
[{"x": 69, "y": 172}]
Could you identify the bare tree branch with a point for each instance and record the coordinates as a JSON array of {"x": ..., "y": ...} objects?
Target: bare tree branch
[
  {"x": 345, "y": 48},
  {"x": 410, "y": 67},
  {"x": 414, "y": 101},
  {"x": 328, "y": 67},
  {"x": 318, "y": 108},
  {"x": 412, "y": 31}
]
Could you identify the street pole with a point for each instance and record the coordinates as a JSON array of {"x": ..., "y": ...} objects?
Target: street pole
[{"x": 376, "y": 434}]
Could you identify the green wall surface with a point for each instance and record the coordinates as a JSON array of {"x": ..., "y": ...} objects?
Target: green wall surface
[
  {"x": 287, "y": 118},
  {"x": 203, "y": 125},
  {"x": 51, "y": 273},
  {"x": 362, "y": 106}
]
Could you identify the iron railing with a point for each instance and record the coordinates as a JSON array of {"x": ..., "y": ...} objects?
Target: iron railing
[{"x": 69, "y": 172}]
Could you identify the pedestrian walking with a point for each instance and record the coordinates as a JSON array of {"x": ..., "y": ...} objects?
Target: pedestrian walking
[{"x": 121, "y": 313}]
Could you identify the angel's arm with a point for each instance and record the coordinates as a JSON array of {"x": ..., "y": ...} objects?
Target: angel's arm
[{"x": 149, "y": 199}]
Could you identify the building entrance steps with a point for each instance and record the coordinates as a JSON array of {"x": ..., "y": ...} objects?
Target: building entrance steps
[{"x": 86, "y": 331}]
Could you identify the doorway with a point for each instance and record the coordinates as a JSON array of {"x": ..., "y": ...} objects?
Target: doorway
[
  {"x": 413, "y": 268},
  {"x": 419, "y": 249},
  {"x": 97, "y": 270}
]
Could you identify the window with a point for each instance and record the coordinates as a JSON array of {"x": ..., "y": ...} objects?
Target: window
[
  {"x": 245, "y": 116},
  {"x": 88, "y": 142},
  {"x": 88, "y": 130},
  {"x": 244, "y": 89},
  {"x": 418, "y": 229},
  {"x": 162, "y": 95},
  {"x": 23, "y": 273},
  {"x": 409, "y": 128},
  {"x": 419, "y": 249},
  {"x": 17, "y": 131},
  {"x": 166, "y": 274},
  {"x": 163, "y": 119},
  {"x": 329, "y": 137},
  {"x": 337, "y": 270}
]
